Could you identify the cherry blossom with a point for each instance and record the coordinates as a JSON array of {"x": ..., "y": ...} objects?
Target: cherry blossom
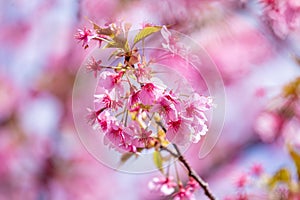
[
  {"x": 107, "y": 100},
  {"x": 149, "y": 93},
  {"x": 136, "y": 111},
  {"x": 256, "y": 169},
  {"x": 242, "y": 181},
  {"x": 184, "y": 194},
  {"x": 85, "y": 35},
  {"x": 94, "y": 66},
  {"x": 169, "y": 106},
  {"x": 179, "y": 131},
  {"x": 109, "y": 80},
  {"x": 143, "y": 73},
  {"x": 283, "y": 16},
  {"x": 164, "y": 185},
  {"x": 268, "y": 126},
  {"x": 170, "y": 40},
  {"x": 116, "y": 136}
]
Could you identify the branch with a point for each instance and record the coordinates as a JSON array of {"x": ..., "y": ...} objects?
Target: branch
[
  {"x": 194, "y": 175},
  {"x": 191, "y": 172}
]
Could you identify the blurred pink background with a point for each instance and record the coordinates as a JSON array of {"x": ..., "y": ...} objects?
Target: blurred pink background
[{"x": 41, "y": 155}]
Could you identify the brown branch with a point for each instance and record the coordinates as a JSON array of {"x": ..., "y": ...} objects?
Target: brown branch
[
  {"x": 194, "y": 175},
  {"x": 191, "y": 172},
  {"x": 168, "y": 150}
]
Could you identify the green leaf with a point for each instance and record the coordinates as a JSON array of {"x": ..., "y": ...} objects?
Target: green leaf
[
  {"x": 296, "y": 158},
  {"x": 145, "y": 32},
  {"x": 120, "y": 43},
  {"x": 281, "y": 176},
  {"x": 158, "y": 161},
  {"x": 126, "y": 156}
]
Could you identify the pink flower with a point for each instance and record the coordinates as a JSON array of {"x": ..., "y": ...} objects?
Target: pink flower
[
  {"x": 109, "y": 80},
  {"x": 242, "y": 181},
  {"x": 115, "y": 135},
  {"x": 201, "y": 102},
  {"x": 269, "y": 3},
  {"x": 105, "y": 120},
  {"x": 132, "y": 102},
  {"x": 169, "y": 107},
  {"x": 283, "y": 16},
  {"x": 295, "y": 4},
  {"x": 140, "y": 136},
  {"x": 106, "y": 100},
  {"x": 256, "y": 169},
  {"x": 184, "y": 194},
  {"x": 278, "y": 23},
  {"x": 194, "y": 110},
  {"x": 192, "y": 185},
  {"x": 85, "y": 35},
  {"x": 199, "y": 129},
  {"x": 149, "y": 93},
  {"x": 164, "y": 185},
  {"x": 170, "y": 40},
  {"x": 94, "y": 66},
  {"x": 179, "y": 131},
  {"x": 92, "y": 117},
  {"x": 142, "y": 73},
  {"x": 268, "y": 125}
]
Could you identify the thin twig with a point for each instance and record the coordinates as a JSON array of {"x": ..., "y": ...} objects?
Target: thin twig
[
  {"x": 191, "y": 172},
  {"x": 194, "y": 175}
]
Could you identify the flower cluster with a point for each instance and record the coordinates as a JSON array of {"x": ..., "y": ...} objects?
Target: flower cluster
[
  {"x": 166, "y": 186},
  {"x": 137, "y": 110},
  {"x": 131, "y": 104},
  {"x": 283, "y": 16},
  {"x": 281, "y": 118},
  {"x": 258, "y": 184}
]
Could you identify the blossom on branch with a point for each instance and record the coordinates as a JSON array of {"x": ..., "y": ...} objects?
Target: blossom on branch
[
  {"x": 137, "y": 111},
  {"x": 85, "y": 35},
  {"x": 164, "y": 185}
]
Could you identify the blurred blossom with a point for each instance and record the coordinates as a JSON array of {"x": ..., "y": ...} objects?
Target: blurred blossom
[
  {"x": 268, "y": 125},
  {"x": 256, "y": 169},
  {"x": 242, "y": 181},
  {"x": 291, "y": 133},
  {"x": 104, "y": 11},
  {"x": 283, "y": 16},
  {"x": 238, "y": 48}
]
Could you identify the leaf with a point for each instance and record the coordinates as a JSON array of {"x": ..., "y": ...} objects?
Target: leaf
[
  {"x": 126, "y": 46},
  {"x": 145, "y": 32},
  {"x": 114, "y": 44},
  {"x": 95, "y": 26},
  {"x": 119, "y": 42},
  {"x": 158, "y": 161},
  {"x": 283, "y": 175},
  {"x": 126, "y": 156},
  {"x": 296, "y": 158}
]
